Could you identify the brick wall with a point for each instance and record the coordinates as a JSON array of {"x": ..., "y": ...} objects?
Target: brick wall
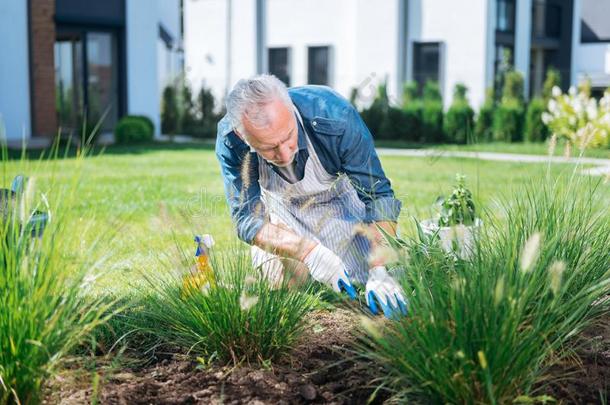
[{"x": 42, "y": 67}]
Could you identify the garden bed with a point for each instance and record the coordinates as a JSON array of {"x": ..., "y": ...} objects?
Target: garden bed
[{"x": 316, "y": 372}]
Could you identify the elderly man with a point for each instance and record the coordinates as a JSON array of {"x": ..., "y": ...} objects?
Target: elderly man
[{"x": 304, "y": 184}]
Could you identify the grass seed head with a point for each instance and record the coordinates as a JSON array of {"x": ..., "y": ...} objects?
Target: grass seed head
[
  {"x": 555, "y": 275},
  {"x": 530, "y": 252}
]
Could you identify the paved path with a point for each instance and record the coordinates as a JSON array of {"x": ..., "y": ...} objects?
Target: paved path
[{"x": 602, "y": 165}]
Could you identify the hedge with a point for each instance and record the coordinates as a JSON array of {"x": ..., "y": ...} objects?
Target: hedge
[{"x": 133, "y": 129}]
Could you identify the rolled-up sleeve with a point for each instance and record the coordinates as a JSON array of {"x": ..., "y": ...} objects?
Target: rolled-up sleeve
[
  {"x": 360, "y": 162},
  {"x": 239, "y": 169}
]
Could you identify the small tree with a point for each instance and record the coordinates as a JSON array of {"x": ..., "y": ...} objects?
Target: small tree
[
  {"x": 412, "y": 108},
  {"x": 508, "y": 118},
  {"x": 169, "y": 111},
  {"x": 459, "y": 120},
  {"x": 188, "y": 112},
  {"x": 483, "y": 130},
  {"x": 535, "y": 129},
  {"x": 208, "y": 118},
  {"x": 432, "y": 113}
]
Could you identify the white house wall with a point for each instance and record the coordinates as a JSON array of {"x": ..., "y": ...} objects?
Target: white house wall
[
  {"x": 593, "y": 61},
  {"x": 205, "y": 44},
  {"x": 14, "y": 70},
  {"x": 375, "y": 49},
  {"x": 142, "y": 78},
  {"x": 462, "y": 26}
]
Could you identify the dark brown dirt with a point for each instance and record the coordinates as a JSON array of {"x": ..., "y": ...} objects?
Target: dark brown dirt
[
  {"x": 316, "y": 372},
  {"x": 584, "y": 378}
]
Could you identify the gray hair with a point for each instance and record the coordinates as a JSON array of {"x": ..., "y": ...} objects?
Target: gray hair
[{"x": 249, "y": 96}]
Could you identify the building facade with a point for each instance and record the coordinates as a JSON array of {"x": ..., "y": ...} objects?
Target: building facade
[
  {"x": 359, "y": 43},
  {"x": 67, "y": 62}
]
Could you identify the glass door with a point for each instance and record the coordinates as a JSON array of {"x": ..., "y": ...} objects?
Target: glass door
[
  {"x": 68, "y": 82},
  {"x": 102, "y": 88},
  {"x": 86, "y": 80}
]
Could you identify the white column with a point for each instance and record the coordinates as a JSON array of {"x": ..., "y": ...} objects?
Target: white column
[
  {"x": 14, "y": 70},
  {"x": 575, "y": 42},
  {"x": 142, "y": 79},
  {"x": 490, "y": 41},
  {"x": 523, "y": 35}
]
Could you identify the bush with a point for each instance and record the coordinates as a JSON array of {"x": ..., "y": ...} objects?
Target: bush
[
  {"x": 432, "y": 114},
  {"x": 149, "y": 124},
  {"x": 483, "y": 130},
  {"x": 132, "y": 129},
  {"x": 169, "y": 112},
  {"x": 509, "y": 116},
  {"x": 459, "y": 121},
  {"x": 393, "y": 125},
  {"x": 508, "y": 122},
  {"x": 374, "y": 116},
  {"x": 535, "y": 129}
]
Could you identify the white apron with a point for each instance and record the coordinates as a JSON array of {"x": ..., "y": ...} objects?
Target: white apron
[{"x": 322, "y": 207}]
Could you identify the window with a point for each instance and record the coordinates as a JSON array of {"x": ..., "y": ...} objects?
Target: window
[
  {"x": 318, "y": 65},
  {"x": 546, "y": 20},
  {"x": 505, "y": 20},
  {"x": 279, "y": 64},
  {"x": 426, "y": 62}
]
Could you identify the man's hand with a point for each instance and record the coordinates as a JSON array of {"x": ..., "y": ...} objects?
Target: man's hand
[
  {"x": 383, "y": 291},
  {"x": 326, "y": 267}
]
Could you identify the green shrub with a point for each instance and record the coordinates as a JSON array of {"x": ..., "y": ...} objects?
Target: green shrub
[
  {"x": 147, "y": 121},
  {"x": 413, "y": 112},
  {"x": 535, "y": 129},
  {"x": 459, "y": 120},
  {"x": 483, "y": 130},
  {"x": 552, "y": 79},
  {"x": 508, "y": 122},
  {"x": 432, "y": 114},
  {"x": 208, "y": 118},
  {"x": 132, "y": 130},
  {"x": 374, "y": 115},
  {"x": 189, "y": 124},
  {"x": 393, "y": 124},
  {"x": 169, "y": 112},
  {"x": 487, "y": 330},
  {"x": 412, "y": 107}
]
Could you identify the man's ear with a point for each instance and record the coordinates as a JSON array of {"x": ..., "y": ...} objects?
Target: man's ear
[{"x": 243, "y": 138}]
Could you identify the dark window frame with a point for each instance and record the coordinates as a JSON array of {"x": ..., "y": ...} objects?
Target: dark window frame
[
  {"x": 329, "y": 64},
  {"x": 417, "y": 47},
  {"x": 288, "y": 74}
]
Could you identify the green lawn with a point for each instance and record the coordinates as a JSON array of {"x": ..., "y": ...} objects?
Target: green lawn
[
  {"x": 148, "y": 197},
  {"x": 501, "y": 147}
]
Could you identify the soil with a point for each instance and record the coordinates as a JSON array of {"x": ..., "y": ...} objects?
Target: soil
[{"x": 316, "y": 372}]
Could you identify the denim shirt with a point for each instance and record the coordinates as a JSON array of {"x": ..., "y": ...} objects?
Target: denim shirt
[{"x": 342, "y": 142}]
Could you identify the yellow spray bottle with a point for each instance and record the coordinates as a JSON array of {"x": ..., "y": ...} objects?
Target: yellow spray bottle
[{"x": 203, "y": 276}]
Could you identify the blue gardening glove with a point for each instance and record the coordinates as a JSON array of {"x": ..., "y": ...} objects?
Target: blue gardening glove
[
  {"x": 326, "y": 267},
  {"x": 382, "y": 291}
]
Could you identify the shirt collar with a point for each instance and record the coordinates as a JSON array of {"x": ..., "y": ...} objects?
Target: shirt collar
[{"x": 301, "y": 141}]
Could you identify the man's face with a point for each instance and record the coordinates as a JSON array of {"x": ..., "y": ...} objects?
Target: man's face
[{"x": 277, "y": 141}]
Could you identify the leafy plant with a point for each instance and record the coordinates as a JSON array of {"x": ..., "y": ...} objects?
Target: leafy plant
[
  {"x": 535, "y": 130},
  {"x": 169, "y": 111},
  {"x": 458, "y": 208},
  {"x": 483, "y": 130},
  {"x": 432, "y": 114},
  {"x": 132, "y": 129},
  {"x": 459, "y": 121},
  {"x": 579, "y": 118}
]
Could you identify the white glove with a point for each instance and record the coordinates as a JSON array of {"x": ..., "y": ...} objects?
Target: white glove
[
  {"x": 382, "y": 290},
  {"x": 326, "y": 267}
]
